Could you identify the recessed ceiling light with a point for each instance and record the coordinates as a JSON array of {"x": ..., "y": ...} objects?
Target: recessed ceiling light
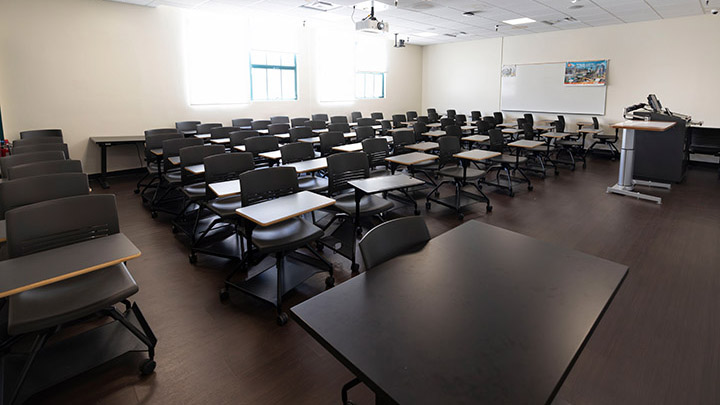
[
  {"x": 518, "y": 21},
  {"x": 426, "y": 34},
  {"x": 365, "y": 5},
  {"x": 468, "y": 14},
  {"x": 321, "y": 5}
]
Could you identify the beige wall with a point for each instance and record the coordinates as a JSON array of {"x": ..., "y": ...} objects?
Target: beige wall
[
  {"x": 677, "y": 59},
  {"x": 95, "y": 67}
]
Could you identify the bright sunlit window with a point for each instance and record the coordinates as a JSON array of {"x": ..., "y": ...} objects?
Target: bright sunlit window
[
  {"x": 370, "y": 85},
  {"x": 273, "y": 75}
]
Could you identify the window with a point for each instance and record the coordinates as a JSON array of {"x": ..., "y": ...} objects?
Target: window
[
  {"x": 273, "y": 75},
  {"x": 370, "y": 85}
]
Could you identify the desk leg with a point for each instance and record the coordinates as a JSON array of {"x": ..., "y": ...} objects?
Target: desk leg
[
  {"x": 626, "y": 184},
  {"x": 103, "y": 166}
]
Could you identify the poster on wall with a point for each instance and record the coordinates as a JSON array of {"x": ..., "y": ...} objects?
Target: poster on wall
[
  {"x": 509, "y": 70},
  {"x": 586, "y": 73}
]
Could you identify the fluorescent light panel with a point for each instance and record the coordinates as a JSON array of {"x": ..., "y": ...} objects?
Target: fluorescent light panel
[
  {"x": 427, "y": 34},
  {"x": 365, "y": 5},
  {"x": 518, "y": 21}
]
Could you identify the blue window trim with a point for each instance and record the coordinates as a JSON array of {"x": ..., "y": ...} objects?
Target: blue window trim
[
  {"x": 374, "y": 74},
  {"x": 275, "y": 67}
]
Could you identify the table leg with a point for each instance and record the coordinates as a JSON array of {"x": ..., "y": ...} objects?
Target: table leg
[
  {"x": 103, "y": 166},
  {"x": 626, "y": 184}
]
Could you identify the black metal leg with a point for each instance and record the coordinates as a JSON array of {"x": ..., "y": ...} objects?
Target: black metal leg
[
  {"x": 38, "y": 344},
  {"x": 346, "y": 388},
  {"x": 103, "y": 166}
]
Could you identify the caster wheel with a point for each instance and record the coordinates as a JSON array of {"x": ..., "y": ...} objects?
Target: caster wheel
[
  {"x": 136, "y": 191},
  {"x": 174, "y": 229},
  {"x": 355, "y": 267},
  {"x": 224, "y": 295},
  {"x": 427, "y": 205},
  {"x": 530, "y": 188},
  {"x": 330, "y": 281},
  {"x": 192, "y": 258},
  {"x": 153, "y": 214},
  {"x": 489, "y": 208},
  {"x": 461, "y": 216},
  {"x": 148, "y": 367},
  {"x": 282, "y": 319},
  {"x": 417, "y": 212}
]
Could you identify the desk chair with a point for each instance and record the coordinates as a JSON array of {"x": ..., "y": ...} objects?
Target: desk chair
[
  {"x": 445, "y": 122},
  {"x": 280, "y": 119},
  {"x": 297, "y": 152},
  {"x": 475, "y": 115},
  {"x": 490, "y": 120},
  {"x": 31, "y": 190},
  {"x": 424, "y": 119},
  {"x": 41, "y": 133},
  {"x": 344, "y": 167},
  {"x": 432, "y": 115},
  {"x": 157, "y": 131},
  {"x": 461, "y": 119},
  {"x": 449, "y": 166},
  {"x": 454, "y": 130},
  {"x": 46, "y": 310},
  {"x": 402, "y": 139},
  {"x": 165, "y": 194},
  {"x": 274, "y": 129},
  {"x": 420, "y": 129},
  {"x": 15, "y": 160},
  {"x": 260, "y": 144},
  {"x": 385, "y": 127},
  {"x": 222, "y": 132},
  {"x": 366, "y": 122},
  {"x": 284, "y": 237},
  {"x": 187, "y": 128},
  {"x": 482, "y": 127},
  {"x": 603, "y": 139},
  {"x": 451, "y": 114},
  {"x": 411, "y": 115},
  {"x": 260, "y": 124},
  {"x": 330, "y": 139},
  {"x": 573, "y": 145},
  {"x": 244, "y": 123},
  {"x": 504, "y": 162},
  {"x": 498, "y": 117},
  {"x": 355, "y": 115},
  {"x": 398, "y": 119},
  {"x": 300, "y": 133},
  {"x": 36, "y": 141},
  {"x": 40, "y": 168},
  {"x": 238, "y": 137},
  {"x": 320, "y": 117},
  {"x": 378, "y": 116},
  {"x": 205, "y": 128},
  {"x": 538, "y": 154},
  {"x": 339, "y": 119},
  {"x": 298, "y": 122},
  {"x": 377, "y": 149},
  {"x": 42, "y": 147},
  {"x": 342, "y": 127},
  {"x": 364, "y": 132},
  {"x": 315, "y": 124},
  {"x": 224, "y": 167}
]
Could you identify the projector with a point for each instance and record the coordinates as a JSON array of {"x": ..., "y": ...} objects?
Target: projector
[{"x": 372, "y": 25}]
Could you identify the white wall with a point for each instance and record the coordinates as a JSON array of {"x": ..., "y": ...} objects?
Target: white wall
[
  {"x": 95, "y": 67},
  {"x": 677, "y": 59}
]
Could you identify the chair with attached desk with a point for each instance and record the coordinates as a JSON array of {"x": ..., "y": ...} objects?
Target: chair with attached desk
[
  {"x": 573, "y": 145},
  {"x": 297, "y": 152},
  {"x": 342, "y": 127},
  {"x": 203, "y": 129},
  {"x": 377, "y": 149},
  {"x": 505, "y": 162},
  {"x": 490, "y": 120},
  {"x": 424, "y": 119},
  {"x": 411, "y": 115},
  {"x": 366, "y": 122},
  {"x": 454, "y": 130},
  {"x": 237, "y": 138},
  {"x": 401, "y": 139},
  {"x": 355, "y": 115},
  {"x": 460, "y": 119},
  {"x": 41, "y": 133},
  {"x": 298, "y": 122},
  {"x": 260, "y": 124},
  {"x": 535, "y": 154},
  {"x": 187, "y": 128},
  {"x": 398, "y": 120},
  {"x": 385, "y": 127},
  {"x": 420, "y": 129},
  {"x": 364, "y": 132},
  {"x": 42, "y": 147},
  {"x": 603, "y": 139},
  {"x": 432, "y": 115},
  {"x": 330, "y": 139},
  {"x": 446, "y": 122},
  {"x": 475, "y": 116},
  {"x": 451, "y": 114},
  {"x": 339, "y": 119},
  {"x": 378, "y": 116},
  {"x": 30, "y": 190},
  {"x": 279, "y": 119},
  {"x": 222, "y": 132},
  {"x": 40, "y": 168},
  {"x": 15, "y": 160},
  {"x": 315, "y": 124},
  {"x": 498, "y": 117},
  {"x": 222, "y": 168},
  {"x": 260, "y": 144},
  {"x": 35, "y": 141},
  {"x": 44, "y": 311},
  {"x": 320, "y": 117},
  {"x": 298, "y": 133},
  {"x": 275, "y": 129},
  {"x": 482, "y": 127},
  {"x": 166, "y": 194},
  {"x": 244, "y": 123}
]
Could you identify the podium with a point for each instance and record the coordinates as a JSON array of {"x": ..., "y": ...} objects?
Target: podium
[{"x": 626, "y": 183}]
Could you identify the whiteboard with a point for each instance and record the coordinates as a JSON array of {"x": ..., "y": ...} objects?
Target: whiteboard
[{"x": 540, "y": 88}]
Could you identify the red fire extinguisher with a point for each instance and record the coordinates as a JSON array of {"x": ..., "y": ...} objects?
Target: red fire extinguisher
[{"x": 4, "y": 148}]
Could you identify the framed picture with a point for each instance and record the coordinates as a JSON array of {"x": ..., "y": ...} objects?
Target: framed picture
[{"x": 586, "y": 73}]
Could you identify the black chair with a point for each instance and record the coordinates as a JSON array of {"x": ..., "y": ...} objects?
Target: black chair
[
  {"x": 15, "y": 160},
  {"x": 411, "y": 115},
  {"x": 377, "y": 116},
  {"x": 205, "y": 128},
  {"x": 187, "y": 128},
  {"x": 367, "y": 122},
  {"x": 482, "y": 127},
  {"x": 222, "y": 132},
  {"x": 260, "y": 124},
  {"x": 340, "y": 127},
  {"x": 498, "y": 117},
  {"x": 297, "y": 152},
  {"x": 45, "y": 311},
  {"x": 40, "y": 168},
  {"x": 449, "y": 166},
  {"x": 42, "y": 147},
  {"x": 385, "y": 126},
  {"x": 238, "y": 138},
  {"x": 603, "y": 139},
  {"x": 451, "y": 114},
  {"x": 528, "y": 118},
  {"x": 274, "y": 129},
  {"x": 284, "y": 237},
  {"x": 424, "y": 119},
  {"x": 433, "y": 115},
  {"x": 157, "y": 131},
  {"x": 573, "y": 145},
  {"x": 299, "y": 122},
  {"x": 30, "y": 190},
  {"x": 244, "y": 123},
  {"x": 461, "y": 119},
  {"x": 314, "y": 124},
  {"x": 377, "y": 149},
  {"x": 320, "y": 117},
  {"x": 454, "y": 130},
  {"x": 539, "y": 154},
  {"x": 36, "y": 141},
  {"x": 300, "y": 133},
  {"x": 260, "y": 144},
  {"x": 41, "y": 133},
  {"x": 398, "y": 120},
  {"x": 339, "y": 119},
  {"x": 401, "y": 139},
  {"x": 330, "y": 139},
  {"x": 505, "y": 162},
  {"x": 475, "y": 115},
  {"x": 167, "y": 193},
  {"x": 445, "y": 122},
  {"x": 491, "y": 122},
  {"x": 364, "y": 132},
  {"x": 280, "y": 119},
  {"x": 355, "y": 115}
]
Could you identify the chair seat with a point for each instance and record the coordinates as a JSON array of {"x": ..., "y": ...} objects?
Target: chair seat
[
  {"x": 152, "y": 169},
  {"x": 68, "y": 300},
  {"x": 509, "y": 159},
  {"x": 369, "y": 204},
  {"x": 456, "y": 172},
  {"x": 173, "y": 177},
  {"x": 313, "y": 183},
  {"x": 195, "y": 191},
  {"x": 569, "y": 143},
  {"x": 285, "y": 236},
  {"x": 604, "y": 137},
  {"x": 225, "y": 207}
]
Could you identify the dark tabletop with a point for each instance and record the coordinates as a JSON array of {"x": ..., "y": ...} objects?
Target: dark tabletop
[
  {"x": 479, "y": 315},
  {"x": 118, "y": 139}
]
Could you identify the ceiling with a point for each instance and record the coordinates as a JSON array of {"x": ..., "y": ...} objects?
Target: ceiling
[{"x": 415, "y": 19}]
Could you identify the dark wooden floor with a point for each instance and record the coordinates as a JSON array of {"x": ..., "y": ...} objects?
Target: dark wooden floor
[{"x": 659, "y": 342}]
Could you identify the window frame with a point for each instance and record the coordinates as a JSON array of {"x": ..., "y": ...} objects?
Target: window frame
[
  {"x": 364, "y": 75},
  {"x": 267, "y": 67}
]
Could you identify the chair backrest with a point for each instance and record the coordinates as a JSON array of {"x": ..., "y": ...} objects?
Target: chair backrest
[
  {"x": 398, "y": 120},
  {"x": 401, "y": 139},
  {"x": 377, "y": 116},
  {"x": 300, "y": 132},
  {"x": 386, "y": 125},
  {"x": 497, "y": 141},
  {"x": 461, "y": 119},
  {"x": 42, "y": 147},
  {"x": 14, "y": 160},
  {"x": 529, "y": 118},
  {"x": 475, "y": 115},
  {"x": 194, "y": 155},
  {"x": 315, "y": 124},
  {"x": 239, "y": 137},
  {"x": 363, "y": 132},
  {"x": 36, "y": 141},
  {"x": 33, "y": 189},
  {"x": 596, "y": 124},
  {"x": 490, "y": 121},
  {"x": 451, "y": 114},
  {"x": 377, "y": 150},
  {"x": 343, "y": 127},
  {"x": 296, "y": 152},
  {"x": 320, "y": 117},
  {"x": 171, "y": 147},
  {"x": 281, "y": 128},
  {"x": 433, "y": 115},
  {"x": 560, "y": 123},
  {"x": 454, "y": 131},
  {"x": 393, "y": 238},
  {"x": 419, "y": 129},
  {"x": 448, "y": 146},
  {"x": 155, "y": 141},
  {"x": 187, "y": 127},
  {"x": 330, "y": 139},
  {"x": 205, "y": 128},
  {"x": 260, "y": 124},
  {"x": 299, "y": 122},
  {"x": 527, "y": 128},
  {"x": 41, "y": 133},
  {"x": 344, "y": 167},
  {"x": 40, "y": 168},
  {"x": 445, "y": 122},
  {"x": 244, "y": 123},
  {"x": 227, "y": 166},
  {"x": 424, "y": 119},
  {"x": 431, "y": 111},
  {"x": 411, "y": 115},
  {"x": 498, "y": 117},
  {"x": 222, "y": 132},
  {"x": 280, "y": 119},
  {"x": 60, "y": 222},
  {"x": 482, "y": 127},
  {"x": 338, "y": 119},
  {"x": 156, "y": 131},
  {"x": 259, "y": 144},
  {"x": 355, "y": 115},
  {"x": 262, "y": 185},
  {"x": 366, "y": 122}
]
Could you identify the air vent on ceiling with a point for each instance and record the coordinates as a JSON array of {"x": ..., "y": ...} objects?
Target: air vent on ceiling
[
  {"x": 576, "y": 6},
  {"x": 321, "y": 5},
  {"x": 553, "y": 22}
]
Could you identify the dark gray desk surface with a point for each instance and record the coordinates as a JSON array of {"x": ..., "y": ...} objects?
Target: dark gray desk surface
[
  {"x": 479, "y": 315},
  {"x": 118, "y": 139},
  {"x": 50, "y": 266},
  {"x": 283, "y": 208},
  {"x": 311, "y": 165},
  {"x": 385, "y": 183}
]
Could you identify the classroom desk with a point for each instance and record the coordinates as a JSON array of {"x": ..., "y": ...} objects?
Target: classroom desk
[
  {"x": 512, "y": 132},
  {"x": 435, "y": 134},
  {"x": 475, "y": 138},
  {"x": 196, "y": 169},
  {"x": 470, "y": 128},
  {"x": 494, "y": 327},
  {"x": 313, "y": 139},
  {"x": 225, "y": 188},
  {"x": 522, "y": 144},
  {"x": 239, "y": 148},
  {"x": 220, "y": 141},
  {"x": 202, "y": 136},
  {"x": 583, "y": 124},
  {"x": 434, "y": 125},
  {"x": 408, "y": 159},
  {"x": 174, "y": 160},
  {"x": 506, "y": 125},
  {"x": 309, "y": 166},
  {"x": 545, "y": 127},
  {"x": 350, "y": 147},
  {"x": 553, "y": 136},
  {"x": 423, "y": 146},
  {"x": 105, "y": 142},
  {"x": 272, "y": 155}
]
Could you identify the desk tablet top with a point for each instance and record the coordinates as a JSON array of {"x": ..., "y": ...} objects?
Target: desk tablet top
[
  {"x": 506, "y": 125},
  {"x": 196, "y": 169},
  {"x": 308, "y": 166},
  {"x": 436, "y": 133},
  {"x": 555, "y": 134},
  {"x": 3, "y": 231},
  {"x": 220, "y": 140},
  {"x": 524, "y": 143},
  {"x": 385, "y": 183},
  {"x": 511, "y": 130},
  {"x": 274, "y": 155},
  {"x": 283, "y": 208},
  {"x": 423, "y": 146},
  {"x": 351, "y": 147},
  {"x": 468, "y": 127},
  {"x": 312, "y": 139},
  {"x": 412, "y": 158},
  {"x": 225, "y": 188},
  {"x": 589, "y": 131},
  {"x": 433, "y": 125},
  {"x": 658, "y": 126},
  {"x": 476, "y": 155},
  {"x": 202, "y": 136},
  {"x": 157, "y": 151},
  {"x": 491, "y": 328},
  {"x": 174, "y": 160},
  {"x": 282, "y": 136},
  {"x": 50, "y": 266},
  {"x": 240, "y": 148},
  {"x": 475, "y": 138},
  {"x": 118, "y": 139}
]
